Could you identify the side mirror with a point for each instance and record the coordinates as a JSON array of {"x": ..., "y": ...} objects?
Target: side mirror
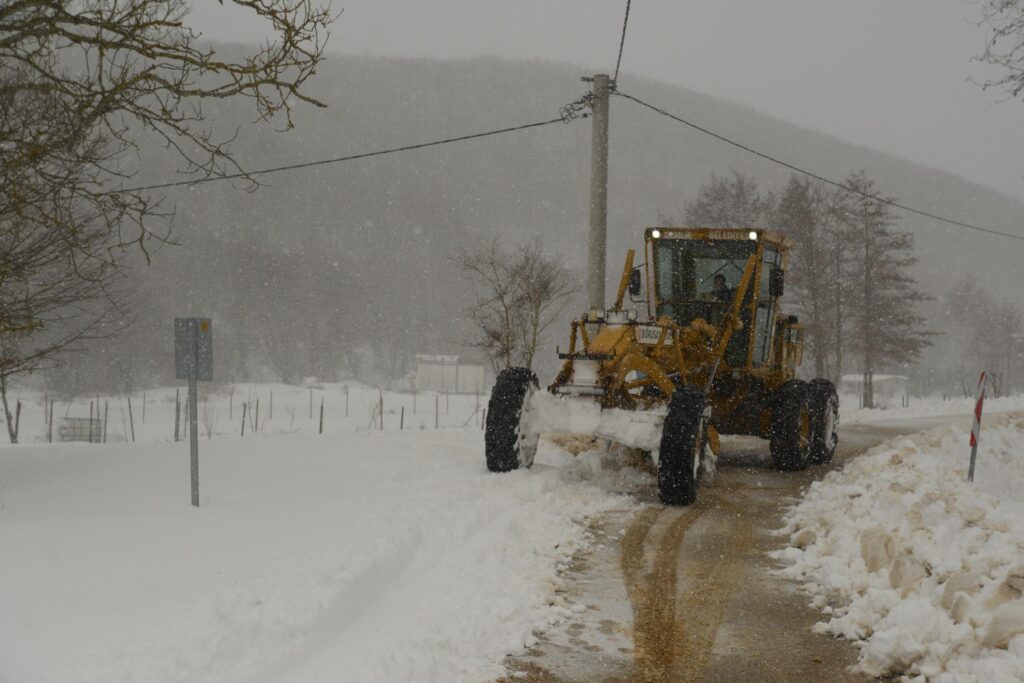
[
  {"x": 635, "y": 282},
  {"x": 776, "y": 282}
]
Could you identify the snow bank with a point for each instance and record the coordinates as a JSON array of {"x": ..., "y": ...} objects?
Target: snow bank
[
  {"x": 363, "y": 557},
  {"x": 920, "y": 567}
]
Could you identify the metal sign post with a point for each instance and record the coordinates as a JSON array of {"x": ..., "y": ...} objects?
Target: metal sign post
[{"x": 193, "y": 360}]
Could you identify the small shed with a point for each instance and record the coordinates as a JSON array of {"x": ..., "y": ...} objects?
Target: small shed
[
  {"x": 883, "y": 385},
  {"x": 445, "y": 374}
]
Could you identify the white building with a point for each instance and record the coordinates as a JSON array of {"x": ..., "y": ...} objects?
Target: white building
[
  {"x": 444, "y": 374},
  {"x": 883, "y": 385}
]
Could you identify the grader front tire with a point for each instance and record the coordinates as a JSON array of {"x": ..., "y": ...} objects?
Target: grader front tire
[
  {"x": 790, "y": 437},
  {"x": 504, "y": 446},
  {"x": 682, "y": 444}
]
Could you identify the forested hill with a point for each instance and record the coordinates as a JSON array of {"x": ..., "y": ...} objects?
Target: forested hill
[{"x": 348, "y": 263}]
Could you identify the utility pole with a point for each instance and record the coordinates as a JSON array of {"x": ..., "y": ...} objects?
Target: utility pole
[{"x": 596, "y": 247}]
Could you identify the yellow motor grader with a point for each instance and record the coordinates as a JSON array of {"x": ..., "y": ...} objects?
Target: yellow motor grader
[{"x": 704, "y": 351}]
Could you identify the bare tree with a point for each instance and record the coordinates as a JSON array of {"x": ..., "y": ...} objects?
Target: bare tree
[
  {"x": 805, "y": 213},
  {"x": 493, "y": 312},
  {"x": 81, "y": 85},
  {"x": 544, "y": 289},
  {"x": 734, "y": 202},
  {"x": 518, "y": 296},
  {"x": 1004, "y": 44},
  {"x": 991, "y": 332}
]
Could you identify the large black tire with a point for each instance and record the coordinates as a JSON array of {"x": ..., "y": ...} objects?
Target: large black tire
[
  {"x": 823, "y": 404},
  {"x": 503, "y": 443},
  {"x": 790, "y": 435},
  {"x": 682, "y": 445}
]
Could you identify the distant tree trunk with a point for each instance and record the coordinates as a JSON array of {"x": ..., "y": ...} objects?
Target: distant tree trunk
[
  {"x": 11, "y": 431},
  {"x": 867, "y": 304},
  {"x": 837, "y": 331}
]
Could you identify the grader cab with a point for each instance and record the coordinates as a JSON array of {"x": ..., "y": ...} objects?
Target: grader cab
[{"x": 703, "y": 351}]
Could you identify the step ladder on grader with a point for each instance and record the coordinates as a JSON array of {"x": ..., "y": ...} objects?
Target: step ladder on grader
[{"x": 706, "y": 351}]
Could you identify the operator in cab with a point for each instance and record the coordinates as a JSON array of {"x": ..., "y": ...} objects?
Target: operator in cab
[{"x": 720, "y": 290}]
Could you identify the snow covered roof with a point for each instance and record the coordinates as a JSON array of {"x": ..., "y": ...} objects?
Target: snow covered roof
[
  {"x": 876, "y": 378},
  {"x": 443, "y": 360}
]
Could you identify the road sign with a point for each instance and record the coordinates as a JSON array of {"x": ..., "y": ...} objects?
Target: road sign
[
  {"x": 203, "y": 348},
  {"x": 193, "y": 360}
]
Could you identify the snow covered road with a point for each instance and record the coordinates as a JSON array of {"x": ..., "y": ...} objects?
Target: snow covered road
[
  {"x": 363, "y": 557},
  {"x": 396, "y": 557},
  {"x": 691, "y": 594}
]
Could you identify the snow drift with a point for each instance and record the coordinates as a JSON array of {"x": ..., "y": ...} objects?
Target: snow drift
[{"x": 924, "y": 570}]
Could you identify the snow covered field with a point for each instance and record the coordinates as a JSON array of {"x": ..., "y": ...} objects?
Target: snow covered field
[
  {"x": 924, "y": 570},
  {"x": 392, "y": 555},
  {"x": 928, "y": 406},
  {"x": 351, "y": 557},
  {"x": 269, "y": 409}
]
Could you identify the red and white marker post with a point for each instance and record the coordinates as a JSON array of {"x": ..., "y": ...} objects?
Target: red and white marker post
[{"x": 976, "y": 424}]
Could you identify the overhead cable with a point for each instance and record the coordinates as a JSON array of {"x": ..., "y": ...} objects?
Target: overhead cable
[
  {"x": 564, "y": 118},
  {"x": 815, "y": 176},
  {"x": 622, "y": 42}
]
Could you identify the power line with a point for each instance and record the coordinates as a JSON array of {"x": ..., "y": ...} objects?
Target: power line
[
  {"x": 622, "y": 42},
  {"x": 815, "y": 176},
  {"x": 565, "y": 118}
]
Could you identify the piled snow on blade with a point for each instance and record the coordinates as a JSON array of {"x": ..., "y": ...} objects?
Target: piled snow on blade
[
  {"x": 369, "y": 558},
  {"x": 922, "y": 568},
  {"x": 566, "y": 414}
]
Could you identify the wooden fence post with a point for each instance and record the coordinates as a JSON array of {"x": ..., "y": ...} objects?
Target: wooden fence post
[{"x": 131, "y": 418}]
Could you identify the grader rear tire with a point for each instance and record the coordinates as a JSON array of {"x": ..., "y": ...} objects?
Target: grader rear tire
[
  {"x": 790, "y": 435},
  {"x": 682, "y": 444},
  {"x": 824, "y": 408},
  {"x": 504, "y": 447}
]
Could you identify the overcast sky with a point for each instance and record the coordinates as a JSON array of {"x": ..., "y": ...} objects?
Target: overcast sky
[{"x": 891, "y": 74}]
